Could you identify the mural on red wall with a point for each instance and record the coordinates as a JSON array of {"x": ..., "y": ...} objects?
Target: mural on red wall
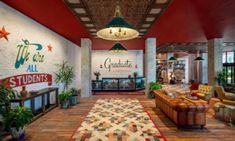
[{"x": 27, "y": 52}]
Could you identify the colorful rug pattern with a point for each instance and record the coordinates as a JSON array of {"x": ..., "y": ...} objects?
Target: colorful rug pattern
[{"x": 117, "y": 120}]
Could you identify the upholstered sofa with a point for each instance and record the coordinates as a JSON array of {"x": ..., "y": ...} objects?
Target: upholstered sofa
[
  {"x": 204, "y": 92},
  {"x": 181, "y": 111}
]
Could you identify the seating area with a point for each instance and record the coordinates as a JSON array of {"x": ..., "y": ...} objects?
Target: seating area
[
  {"x": 175, "y": 98},
  {"x": 181, "y": 110},
  {"x": 117, "y": 70}
]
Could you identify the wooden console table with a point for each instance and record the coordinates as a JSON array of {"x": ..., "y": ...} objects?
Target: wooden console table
[{"x": 40, "y": 101}]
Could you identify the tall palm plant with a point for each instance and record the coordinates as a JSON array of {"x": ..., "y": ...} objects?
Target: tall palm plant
[{"x": 64, "y": 74}]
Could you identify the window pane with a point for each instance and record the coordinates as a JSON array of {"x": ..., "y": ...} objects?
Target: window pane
[
  {"x": 224, "y": 57},
  {"x": 230, "y": 57}
]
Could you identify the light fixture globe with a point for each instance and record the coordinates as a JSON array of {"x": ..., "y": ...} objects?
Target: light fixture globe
[{"x": 118, "y": 29}]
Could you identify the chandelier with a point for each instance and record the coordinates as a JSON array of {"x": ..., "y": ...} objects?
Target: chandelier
[{"x": 118, "y": 29}]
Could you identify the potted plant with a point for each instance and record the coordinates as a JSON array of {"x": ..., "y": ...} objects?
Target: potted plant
[
  {"x": 64, "y": 75},
  {"x": 153, "y": 87},
  {"x": 6, "y": 94},
  {"x": 64, "y": 99},
  {"x": 16, "y": 120},
  {"x": 74, "y": 98},
  {"x": 221, "y": 77},
  {"x": 97, "y": 74},
  {"x": 135, "y": 74}
]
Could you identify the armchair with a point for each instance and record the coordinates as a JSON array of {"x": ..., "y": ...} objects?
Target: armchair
[
  {"x": 204, "y": 92},
  {"x": 225, "y": 97}
]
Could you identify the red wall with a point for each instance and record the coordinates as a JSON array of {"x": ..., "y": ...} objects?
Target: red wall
[{"x": 134, "y": 44}]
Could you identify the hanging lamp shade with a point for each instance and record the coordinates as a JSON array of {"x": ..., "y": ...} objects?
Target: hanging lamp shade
[
  {"x": 118, "y": 29},
  {"x": 198, "y": 59},
  {"x": 118, "y": 48},
  {"x": 172, "y": 58}
]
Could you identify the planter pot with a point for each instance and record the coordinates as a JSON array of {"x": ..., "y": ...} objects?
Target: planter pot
[
  {"x": 1, "y": 124},
  {"x": 64, "y": 104},
  {"x": 151, "y": 94},
  {"x": 18, "y": 135},
  {"x": 73, "y": 100}
]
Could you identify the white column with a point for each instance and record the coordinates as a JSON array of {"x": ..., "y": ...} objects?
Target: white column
[
  {"x": 150, "y": 62},
  {"x": 214, "y": 59},
  {"x": 86, "y": 67},
  {"x": 205, "y": 68}
]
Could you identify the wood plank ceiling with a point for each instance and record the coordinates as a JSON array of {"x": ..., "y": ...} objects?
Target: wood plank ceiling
[
  {"x": 95, "y": 14},
  {"x": 192, "y": 47}
]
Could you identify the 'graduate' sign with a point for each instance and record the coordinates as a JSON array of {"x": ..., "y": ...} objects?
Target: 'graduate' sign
[{"x": 123, "y": 65}]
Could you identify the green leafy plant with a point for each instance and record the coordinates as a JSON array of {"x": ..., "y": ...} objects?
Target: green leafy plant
[
  {"x": 75, "y": 91},
  {"x": 64, "y": 96},
  {"x": 18, "y": 118},
  {"x": 221, "y": 78},
  {"x": 97, "y": 73},
  {"x": 64, "y": 75},
  {"x": 155, "y": 86},
  {"x": 6, "y": 94},
  {"x": 135, "y": 74}
]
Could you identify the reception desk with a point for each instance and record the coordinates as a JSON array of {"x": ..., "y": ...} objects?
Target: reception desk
[{"x": 118, "y": 84}]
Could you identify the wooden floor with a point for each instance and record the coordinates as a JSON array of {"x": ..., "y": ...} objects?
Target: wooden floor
[{"x": 59, "y": 124}]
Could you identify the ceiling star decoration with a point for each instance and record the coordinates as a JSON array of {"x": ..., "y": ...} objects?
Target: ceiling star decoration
[
  {"x": 4, "y": 33},
  {"x": 49, "y": 47}
]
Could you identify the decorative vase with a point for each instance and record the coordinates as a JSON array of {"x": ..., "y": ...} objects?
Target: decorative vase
[
  {"x": 24, "y": 92},
  {"x": 97, "y": 78}
]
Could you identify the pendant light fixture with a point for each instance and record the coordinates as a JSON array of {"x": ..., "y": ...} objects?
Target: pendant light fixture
[
  {"x": 198, "y": 59},
  {"x": 172, "y": 58},
  {"x": 118, "y": 48},
  {"x": 118, "y": 29}
]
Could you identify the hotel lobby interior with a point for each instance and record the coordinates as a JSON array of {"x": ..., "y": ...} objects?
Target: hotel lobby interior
[{"x": 117, "y": 70}]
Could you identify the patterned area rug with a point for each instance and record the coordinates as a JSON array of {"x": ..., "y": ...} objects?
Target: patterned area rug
[{"x": 117, "y": 120}]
